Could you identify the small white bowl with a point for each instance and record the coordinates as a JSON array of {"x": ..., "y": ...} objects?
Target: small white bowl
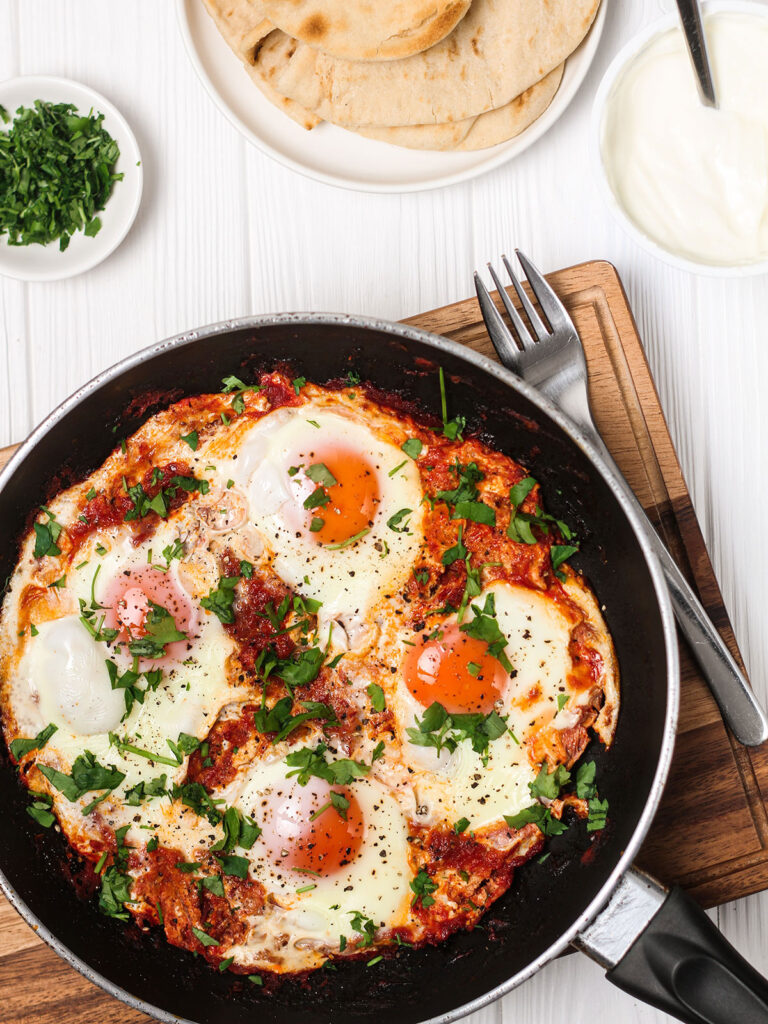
[
  {"x": 46, "y": 262},
  {"x": 621, "y": 61}
]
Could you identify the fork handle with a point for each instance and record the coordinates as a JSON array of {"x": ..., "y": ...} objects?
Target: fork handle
[{"x": 727, "y": 682}]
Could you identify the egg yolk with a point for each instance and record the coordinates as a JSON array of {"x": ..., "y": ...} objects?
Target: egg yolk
[
  {"x": 304, "y": 831},
  {"x": 457, "y": 671},
  {"x": 128, "y": 602},
  {"x": 353, "y": 497}
]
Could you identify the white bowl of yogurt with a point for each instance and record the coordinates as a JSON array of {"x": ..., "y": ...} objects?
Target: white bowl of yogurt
[{"x": 689, "y": 183}]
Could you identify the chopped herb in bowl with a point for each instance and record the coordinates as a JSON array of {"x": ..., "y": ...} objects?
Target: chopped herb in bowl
[{"x": 57, "y": 171}]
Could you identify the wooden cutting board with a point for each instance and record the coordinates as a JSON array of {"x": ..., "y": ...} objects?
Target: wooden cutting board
[{"x": 682, "y": 846}]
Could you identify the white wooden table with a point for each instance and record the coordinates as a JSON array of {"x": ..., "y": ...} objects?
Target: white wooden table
[{"x": 224, "y": 232}]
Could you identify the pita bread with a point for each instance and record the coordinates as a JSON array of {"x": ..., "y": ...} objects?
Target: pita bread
[
  {"x": 367, "y": 29},
  {"x": 479, "y": 132},
  {"x": 243, "y": 26},
  {"x": 497, "y": 51}
]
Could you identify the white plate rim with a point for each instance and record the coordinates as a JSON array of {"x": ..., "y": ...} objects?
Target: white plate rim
[
  {"x": 498, "y": 155},
  {"x": 617, "y": 66},
  {"x": 100, "y": 251}
]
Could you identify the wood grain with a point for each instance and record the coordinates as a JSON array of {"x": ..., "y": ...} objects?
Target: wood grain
[{"x": 630, "y": 419}]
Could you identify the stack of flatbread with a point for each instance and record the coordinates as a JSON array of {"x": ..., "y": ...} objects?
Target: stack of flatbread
[{"x": 425, "y": 74}]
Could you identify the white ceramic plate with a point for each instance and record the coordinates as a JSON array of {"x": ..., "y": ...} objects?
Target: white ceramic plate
[
  {"x": 618, "y": 65},
  {"x": 338, "y": 157},
  {"x": 45, "y": 262}
]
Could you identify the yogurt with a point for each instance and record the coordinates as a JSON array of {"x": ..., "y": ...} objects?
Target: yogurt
[{"x": 695, "y": 179}]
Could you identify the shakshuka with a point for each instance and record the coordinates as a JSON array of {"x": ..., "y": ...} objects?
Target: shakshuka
[{"x": 304, "y": 676}]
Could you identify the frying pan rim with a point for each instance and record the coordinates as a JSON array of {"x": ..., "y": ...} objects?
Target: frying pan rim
[{"x": 544, "y": 405}]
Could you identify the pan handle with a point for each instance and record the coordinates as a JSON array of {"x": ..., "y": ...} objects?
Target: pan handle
[{"x": 661, "y": 947}]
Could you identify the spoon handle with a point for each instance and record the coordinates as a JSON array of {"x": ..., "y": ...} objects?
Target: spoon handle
[{"x": 690, "y": 15}]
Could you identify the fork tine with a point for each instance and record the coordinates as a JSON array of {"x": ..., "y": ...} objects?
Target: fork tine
[
  {"x": 503, "y": 339},
  {"x": 523, "y": 334},
  {"x": 553, "y": 308},
  {"x": 536, "y": 322}
]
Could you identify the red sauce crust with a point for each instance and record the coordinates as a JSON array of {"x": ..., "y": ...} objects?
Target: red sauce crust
[
  {"x": 179, "y": 902},
  {"x": 471, "y": 873}
]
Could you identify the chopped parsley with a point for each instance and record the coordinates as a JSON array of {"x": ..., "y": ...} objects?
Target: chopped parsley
[
  {"x": 337, "y": 801},
  {"x": 57, "y": 171},
  {"x": 298, "y": 383},
  {"x": 160, "y": 630},
  {"x": 192, "y": 439}
]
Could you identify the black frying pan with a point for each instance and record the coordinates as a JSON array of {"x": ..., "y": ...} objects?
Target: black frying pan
[{"x": 549, "y": 905}]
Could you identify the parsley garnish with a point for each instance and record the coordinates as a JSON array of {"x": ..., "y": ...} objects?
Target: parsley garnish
[
  {"x": 204, "y": 937},
  {"x": 423, "y": 887},
  {"x": 115, "y": 884},
  {"x": 192, "y": 439},
  {"x": 280, "y": 721},
  {"x": 46, "y": 534},
  {"x": 339, "y": 803},
  {"x": 87, "y": 775},
  {"x": 452, "y": 429},
  {"x": 221, "y": 600},
  {"x": 307, "y": 763},
  {"x": 484, "y": 626},
  {"x": 364, "y": 925},
  {"x": 298, "y": 383},
  {"x": 378, "y": 700},
  {"x": 559, "y": 553},
  {"x": 538, "y": 815},
  {"x": 160, "y": 502},
  {"x": 40, "y": 809},
  {"x": 439, "y": 729},
  {"x": 129, "y": 681},
  {"x": 160, "y": 631},
  {"x": 20, "y": 747},
  {"x": 412, "y": 447},
  {"x": 394, "y": 521}
]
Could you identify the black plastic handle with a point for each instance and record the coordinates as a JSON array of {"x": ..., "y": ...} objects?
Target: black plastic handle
[{"x": 682, "y": 964}]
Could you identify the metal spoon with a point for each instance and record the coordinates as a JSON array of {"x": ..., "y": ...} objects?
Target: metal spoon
[{"x": 690, "y": 15}]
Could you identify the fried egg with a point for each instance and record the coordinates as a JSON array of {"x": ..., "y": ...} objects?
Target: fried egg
[
  {"x": 458, "y": 671},
  {"x": 321, "y": 865},
  {"x": 63, "y": 676},
  {"x": 339, "y": 509}
]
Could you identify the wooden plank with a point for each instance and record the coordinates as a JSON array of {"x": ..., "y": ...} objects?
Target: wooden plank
[{"x": 629, "y": 416}]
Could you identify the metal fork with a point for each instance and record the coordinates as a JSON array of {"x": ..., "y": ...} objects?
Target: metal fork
[{"x": 551, "y": 357}]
